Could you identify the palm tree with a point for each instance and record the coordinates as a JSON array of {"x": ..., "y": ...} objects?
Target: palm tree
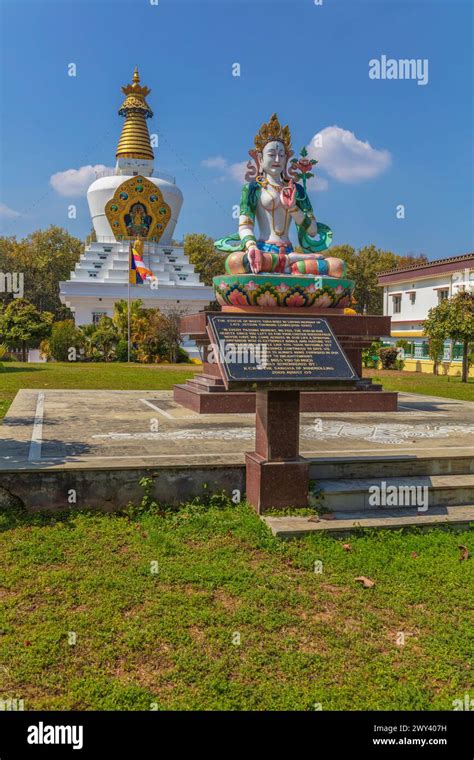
[{"x": 120, "y": 317}]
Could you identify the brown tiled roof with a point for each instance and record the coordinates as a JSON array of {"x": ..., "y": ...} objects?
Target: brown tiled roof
[{"x": 449, "y": 260}]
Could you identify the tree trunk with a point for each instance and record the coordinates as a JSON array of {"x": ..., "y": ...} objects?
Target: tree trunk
[
  {"x": 435, "y": 368},
  {"x": 23, "y": 350},
  {"x": 465, "y": 349}
]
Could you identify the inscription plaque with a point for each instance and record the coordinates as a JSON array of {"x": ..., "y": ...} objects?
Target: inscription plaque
[{"x": 274, "y": 349}]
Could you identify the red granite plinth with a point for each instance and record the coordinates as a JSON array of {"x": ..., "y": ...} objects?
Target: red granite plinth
[
  {"x": 277, "y": 485},
  {"x": 206, "y": 393},
  {"x": 276, "y": 475}
]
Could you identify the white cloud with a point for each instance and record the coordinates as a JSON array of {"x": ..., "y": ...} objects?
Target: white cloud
[
  {"x": 319, "y": 184},
  {"x": 238, "y": 171},
  {"x": 346, "y": 158},
  {"x": 74, "y": 182},
  {"x": 216, "y": 162},
  {"x": 231, "y": 171},
  {"x": 8, "y": 213}
]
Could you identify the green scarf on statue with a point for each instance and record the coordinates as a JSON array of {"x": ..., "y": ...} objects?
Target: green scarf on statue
[{"x": 248, "y": 206}]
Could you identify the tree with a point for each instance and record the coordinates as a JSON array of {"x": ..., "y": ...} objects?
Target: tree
[
  {"x": 120, "y": 316},
  {"x": 169, "y": 334},
  {"x": 207, "y": 260},
  {"x": 435, "y": 351},
  {"x": 363, "y": 266},
  {"x": 45, "y": 258},
  {"x": 64, "y": 337},
  {"x": 23, "y": 326},
  {"x": 453, "y": 318},
  {"x": 146, "y": 336},
  {"x": 104, "y": 340}
]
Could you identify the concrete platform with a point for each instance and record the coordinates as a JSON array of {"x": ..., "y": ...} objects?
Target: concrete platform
[{"x": 102, "y": 442}]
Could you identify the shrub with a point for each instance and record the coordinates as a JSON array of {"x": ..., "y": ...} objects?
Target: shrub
[
  {"x": 370, "y": 355},
  {"x": 388, "y": 357},
  {"x": 64, "y": 337},
  {"x": 121, "y": 351},
  {"x": 183, "y": 356}
]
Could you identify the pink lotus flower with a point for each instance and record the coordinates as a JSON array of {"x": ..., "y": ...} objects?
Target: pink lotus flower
[
  {"x": 266, "y": 299},
  {"x": 223, "y": 286},
  {"x": 295, "y": 300},
  {"x": 304, "y": 165},
  {"x": 282, "y": 288},
  {"x": 339, "y": 289},
  {"x": 251, "y": 285},
  {"x": 323, "y": 300},
  {"x": 310, "y": 288},
  {"x": 237, "y": 298}
]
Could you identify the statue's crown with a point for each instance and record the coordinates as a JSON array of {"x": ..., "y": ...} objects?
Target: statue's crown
[{"x": 272, "y": 130}]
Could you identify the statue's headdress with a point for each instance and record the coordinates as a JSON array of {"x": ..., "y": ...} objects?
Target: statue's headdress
[{"x": 272, "y": 130}]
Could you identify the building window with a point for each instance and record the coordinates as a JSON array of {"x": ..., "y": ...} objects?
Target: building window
[
  {"x": 412, "y": 298},
  {"x": 97, "y": 316},
  {"x": 397, "y": 304},
  {"x": 443, "y": 294}
]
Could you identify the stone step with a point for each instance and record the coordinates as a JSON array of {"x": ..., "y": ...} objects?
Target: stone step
[
  {"x": 353, "y": 494},
  {"x": 239, "y": 402},
  {"x": 207, "y": 381},
  {"x": 343, "y": 523},
  {"x": 331, "y": 468},
  {"x": 200, "y": 387}
]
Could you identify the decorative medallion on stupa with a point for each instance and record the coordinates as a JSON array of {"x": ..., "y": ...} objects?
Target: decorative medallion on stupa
[{"x": 133, "y": 201}]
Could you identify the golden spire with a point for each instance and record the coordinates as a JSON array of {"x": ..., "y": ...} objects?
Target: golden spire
[{"x": 135, "y": 141}]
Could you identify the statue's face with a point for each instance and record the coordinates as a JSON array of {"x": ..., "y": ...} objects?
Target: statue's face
[{"x": 273, "y": 158}]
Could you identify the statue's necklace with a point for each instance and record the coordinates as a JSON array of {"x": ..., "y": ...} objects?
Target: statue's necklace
[{"x": 264, "y": 182}]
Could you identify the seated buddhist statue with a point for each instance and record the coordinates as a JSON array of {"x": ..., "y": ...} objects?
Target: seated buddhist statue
[{"x": 272, "y": 199}]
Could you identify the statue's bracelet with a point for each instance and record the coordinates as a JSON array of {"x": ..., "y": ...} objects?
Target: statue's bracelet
[{"x": 248, "y": 239}]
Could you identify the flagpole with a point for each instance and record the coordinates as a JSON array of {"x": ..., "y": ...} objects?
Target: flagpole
[{"x": 128, "y": 306}]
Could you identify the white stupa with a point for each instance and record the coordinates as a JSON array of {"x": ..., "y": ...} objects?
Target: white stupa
[{"x": 133, "y": 202}]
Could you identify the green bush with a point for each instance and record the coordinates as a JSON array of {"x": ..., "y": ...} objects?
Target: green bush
[
  {"x": 65, "y": 341},
  {"x": 121, "y": 351},
  {"x": 183, "y": 356},
  {"x": 370, "y": 355},
  {"x": 389, "y": 357}
]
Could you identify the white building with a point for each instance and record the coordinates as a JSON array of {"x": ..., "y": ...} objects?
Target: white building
[
  {"x": 131, "y": 202},
  {"x": 410, "y": 292}
]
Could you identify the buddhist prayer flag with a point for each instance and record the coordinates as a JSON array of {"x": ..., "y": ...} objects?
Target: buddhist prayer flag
[{"x": 138, "y": 272}]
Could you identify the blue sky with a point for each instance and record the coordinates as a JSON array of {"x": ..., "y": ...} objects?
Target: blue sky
[{"x": 308, "y": 62}]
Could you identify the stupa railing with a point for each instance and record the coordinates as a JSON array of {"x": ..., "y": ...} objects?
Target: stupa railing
[
  {"x": 158, "y": 174},
  {"x": 105, "y": 240}
]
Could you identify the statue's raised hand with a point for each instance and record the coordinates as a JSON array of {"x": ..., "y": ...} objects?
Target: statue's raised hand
[{"x": 287, "y": 195}]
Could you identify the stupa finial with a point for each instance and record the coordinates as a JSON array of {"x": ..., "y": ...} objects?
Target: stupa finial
[{"x": 135, "y": 141}]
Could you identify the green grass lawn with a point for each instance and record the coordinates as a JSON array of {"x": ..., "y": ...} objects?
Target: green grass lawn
[
  {"x": 417, "y": 382},
  {"x": 232, "y": 619},
  {"x": 16, "y": 375}
]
